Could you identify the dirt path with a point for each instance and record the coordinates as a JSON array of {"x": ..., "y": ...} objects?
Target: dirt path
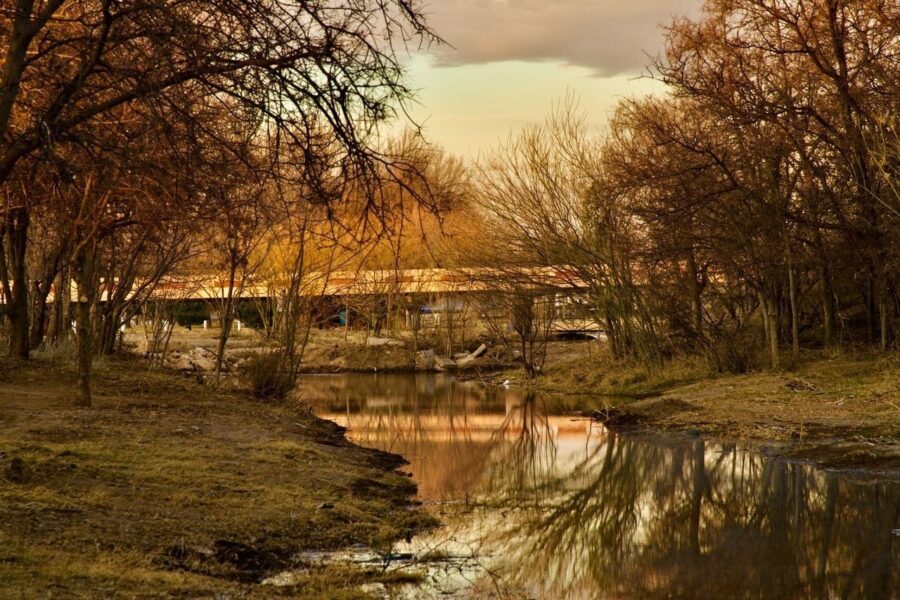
[{"x": 168, "y": 487}]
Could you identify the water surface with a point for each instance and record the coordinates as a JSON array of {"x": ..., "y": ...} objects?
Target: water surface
[{"x": 538, "y": 503}]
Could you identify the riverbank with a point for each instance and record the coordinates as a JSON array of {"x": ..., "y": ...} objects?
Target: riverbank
[
  {"x": 839, "y": 410},
  {"x": 326, "y": 351},
  {"x": 167, "y": 487}
]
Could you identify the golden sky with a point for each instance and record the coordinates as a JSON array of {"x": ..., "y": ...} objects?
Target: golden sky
[{"x": 507, "y": 62}]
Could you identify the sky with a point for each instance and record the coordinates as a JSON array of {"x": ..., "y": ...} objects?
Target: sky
[{"x": 507, "y": 62}]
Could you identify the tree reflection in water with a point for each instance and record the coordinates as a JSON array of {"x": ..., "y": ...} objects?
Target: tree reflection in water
[{"x": 563, "y": 509}]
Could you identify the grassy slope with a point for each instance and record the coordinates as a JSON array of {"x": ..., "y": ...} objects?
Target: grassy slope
[
  {"x": 166, "y": 486},
  {"x": 841, "y": 409}
]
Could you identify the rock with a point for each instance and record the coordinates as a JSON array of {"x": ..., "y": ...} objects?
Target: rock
[
  {"x": 179, "y": 362},
  {"x": 203, "y": 359},
  {"x": 283, "y": 579},
  {"x": 379, "y": 590},
  {"x": 378, "y": 341},
  {"x": 444, "y": 363},
  {"x": 425, "y": 360},
  {"x": 198, "y": 359},
  {"x": 798, "y": 385}
]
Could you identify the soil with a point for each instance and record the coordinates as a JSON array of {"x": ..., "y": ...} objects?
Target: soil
[{"x": 167, "y": 487}]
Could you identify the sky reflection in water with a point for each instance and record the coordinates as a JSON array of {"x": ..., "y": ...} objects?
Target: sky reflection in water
[{"x": 554, "y": 506}]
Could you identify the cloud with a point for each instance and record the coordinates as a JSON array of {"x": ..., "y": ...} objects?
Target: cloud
[{"x": 607, "y": 36}]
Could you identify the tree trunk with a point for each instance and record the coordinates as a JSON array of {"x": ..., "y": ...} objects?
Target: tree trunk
[
  {"x": 226, "y": 319},
  {"x": 828, "y": 317},
  {"x": 826, "y": 289},
  {"x": 870, "y": 308},
  {"x": 795, "y": 311},
  {"x": 84, "y": 278},
  {"x": 109, "y": 330},
  {"x": 696, "y": 303},
  {"x": 770, "y": 325},
  {"x": 773, "y": 339},
  {"x": 39, "y": 326},
  {"x": 16, "y": 235},
  {"x": 59, "y": 323},
  {"x": 526, "y": 359},
  {"x": 884, "y": 317},
  {"x": 764, "y": 311}
]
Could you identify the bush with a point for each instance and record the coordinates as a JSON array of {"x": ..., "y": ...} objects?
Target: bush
[
  {"x": 736, "y": 353},
  {"x": 62, "y": 351},
  {"x": 248, "y": 313},
  {"x": 267, "y": 376},
  {"x": 190, "y": 313}
]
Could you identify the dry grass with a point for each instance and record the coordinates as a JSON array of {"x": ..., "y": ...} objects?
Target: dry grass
[
  {"x": 171, "y": 487},
  {"x": 586, "y": 368},
  {"x": 841, "y": 408}
]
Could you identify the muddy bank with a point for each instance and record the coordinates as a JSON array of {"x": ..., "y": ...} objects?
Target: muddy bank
[
  {"x": 342, "y": 357},
  {"x": 169, "y": 487},
  {"x": 840, "y": 412},
  {"x": 193, "y": 353},
  {"x": 329, "y": 352}
]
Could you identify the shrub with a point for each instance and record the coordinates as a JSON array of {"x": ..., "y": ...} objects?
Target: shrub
[
  {"x": 62, "y": 351},
  {"x": 267, "y": 376},
  {"x": 249, "y": 314},
  {"x": 736, "y": 353},
  {"x": 190, "y": 313}
]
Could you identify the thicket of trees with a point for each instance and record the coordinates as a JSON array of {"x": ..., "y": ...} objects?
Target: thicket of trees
[
  {"x": 135, "y": 136},
  {"x": 757, "y": 198},
  {"x": 752, "y": 208}
]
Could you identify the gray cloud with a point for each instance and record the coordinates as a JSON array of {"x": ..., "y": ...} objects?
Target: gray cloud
[{"x": 607, "y": 36}]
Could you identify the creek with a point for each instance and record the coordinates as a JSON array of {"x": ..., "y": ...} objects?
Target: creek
[{"x": 538, "y": 502}]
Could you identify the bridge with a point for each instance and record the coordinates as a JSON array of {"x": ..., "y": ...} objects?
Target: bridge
[
  {"x": 437, "y": 289},
  {"x": 403, "y": 282}
]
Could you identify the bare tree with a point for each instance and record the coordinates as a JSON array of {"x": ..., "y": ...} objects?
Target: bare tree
[
  {"x": 520, "y": 315},
  {"x": 547, "y": 204},
  {"x": 66, "y": 65}
]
